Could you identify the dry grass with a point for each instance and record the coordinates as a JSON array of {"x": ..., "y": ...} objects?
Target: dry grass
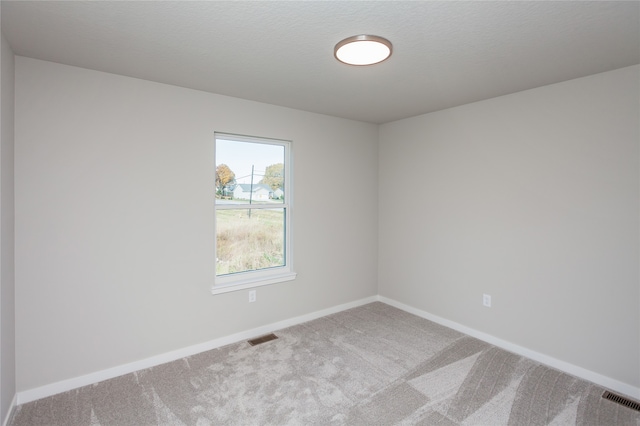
[{"x": 249, "y": 243}]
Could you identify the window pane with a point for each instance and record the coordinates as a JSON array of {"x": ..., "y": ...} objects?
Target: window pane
[
  {"x": 249, "y": 240},
  {"x": 249, "y": 173}
]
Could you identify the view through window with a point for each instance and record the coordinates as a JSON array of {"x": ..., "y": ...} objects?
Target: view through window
[{"x": 252, "y": 208}]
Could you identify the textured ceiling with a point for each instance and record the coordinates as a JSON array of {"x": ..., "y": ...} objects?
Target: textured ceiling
[{"x": 445, "y": 53}]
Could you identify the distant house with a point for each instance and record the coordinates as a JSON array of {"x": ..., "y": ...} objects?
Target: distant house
[
  {"x": 261, "y": 192},
  {"x": 278, "y": 193}
]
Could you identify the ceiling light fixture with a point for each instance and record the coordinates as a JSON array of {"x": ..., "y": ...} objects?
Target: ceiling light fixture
[{"x": 363, "y": 50}]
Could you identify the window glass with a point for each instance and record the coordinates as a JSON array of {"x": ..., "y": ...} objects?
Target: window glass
[
  {"x": 248, "y": 172},
  {"x": 249, "y": 240}
]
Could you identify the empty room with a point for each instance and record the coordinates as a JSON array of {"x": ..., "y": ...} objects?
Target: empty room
[{"x": 226, "y": 213}]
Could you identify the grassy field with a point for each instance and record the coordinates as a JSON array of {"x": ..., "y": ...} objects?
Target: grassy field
[{"x": 249, "y": 243}]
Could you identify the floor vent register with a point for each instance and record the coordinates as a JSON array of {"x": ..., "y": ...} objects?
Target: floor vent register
[
  {"x": 262, "y": 339},
  {"x": 621, "y": 400}
]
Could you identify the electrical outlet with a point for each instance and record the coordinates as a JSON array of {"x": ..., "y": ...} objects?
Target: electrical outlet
[
  {"x": 486, "y": 300},
  {"x": 252, "y": 296}
]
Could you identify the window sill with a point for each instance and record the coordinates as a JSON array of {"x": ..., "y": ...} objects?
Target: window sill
[{"x": 251, "y": 282}]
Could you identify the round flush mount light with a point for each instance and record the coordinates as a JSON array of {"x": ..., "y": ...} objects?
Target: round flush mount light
[{"x": 363, "y": 50}]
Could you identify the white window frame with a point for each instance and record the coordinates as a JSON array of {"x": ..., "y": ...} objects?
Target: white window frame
[{"x": 250, "y": 279}]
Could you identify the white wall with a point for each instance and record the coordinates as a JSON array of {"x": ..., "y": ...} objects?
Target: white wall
[
  {"x": 7, "y": 289},
  {"x": 114, "y": 181},
  {"x": 532, "y": 198}
]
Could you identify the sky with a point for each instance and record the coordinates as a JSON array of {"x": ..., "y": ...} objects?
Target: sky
[{"x": 240, "y": 156}]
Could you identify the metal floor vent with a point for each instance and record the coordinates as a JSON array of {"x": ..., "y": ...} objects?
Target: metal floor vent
[
  {"x": 262, "y": 339},
  {"x": 621, "y": 400}
]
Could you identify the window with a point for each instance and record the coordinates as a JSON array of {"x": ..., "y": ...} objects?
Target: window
[{"x": 252, "y": 212}]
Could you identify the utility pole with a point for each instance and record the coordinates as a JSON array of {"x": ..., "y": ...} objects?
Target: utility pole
[{"x": 251, "y": 191}]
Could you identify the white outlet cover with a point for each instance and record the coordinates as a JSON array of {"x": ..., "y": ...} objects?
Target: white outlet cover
[{"x": 486, "y": 300}]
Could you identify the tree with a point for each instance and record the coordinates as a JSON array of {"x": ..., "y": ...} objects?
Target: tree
[
  {"x": 274, "y": 176},
  {"x": 224, "y": 178}
]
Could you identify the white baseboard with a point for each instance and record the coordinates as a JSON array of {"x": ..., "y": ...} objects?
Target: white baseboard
[
  {"x": 88, "y": 379},
  {"x": 12, "y": 408},
  {"x": 599, "y": 379}
]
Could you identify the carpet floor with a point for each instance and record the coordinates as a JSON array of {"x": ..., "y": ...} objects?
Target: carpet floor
[{"x": 371, "y": 365}]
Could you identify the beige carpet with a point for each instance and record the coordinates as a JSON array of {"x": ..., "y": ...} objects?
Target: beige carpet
[{"x": 372, "y": 365}]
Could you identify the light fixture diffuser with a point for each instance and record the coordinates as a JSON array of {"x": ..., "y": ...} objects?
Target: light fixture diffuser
[{"x": 363, "y": 50}]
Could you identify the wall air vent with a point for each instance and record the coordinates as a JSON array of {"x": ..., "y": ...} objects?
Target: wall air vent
[{"x": 621, "y": 400}]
